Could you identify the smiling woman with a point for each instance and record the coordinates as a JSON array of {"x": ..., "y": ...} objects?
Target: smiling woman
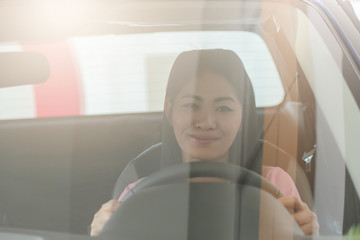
[
  {"x": 207, "y": 122},
  {"x": 210, "y": 75},
  {"x": 209, "y": 109},
  {"x": 290, "y": 115}
]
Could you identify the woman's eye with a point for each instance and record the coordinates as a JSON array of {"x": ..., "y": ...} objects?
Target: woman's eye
[
  {"x": 224, "y": 109},
  {"x": 191, "y": 106}
]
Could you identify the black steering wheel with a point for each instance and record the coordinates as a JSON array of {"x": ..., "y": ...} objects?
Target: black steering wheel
[
  {"x": 182, "y": 172},
  {"x": 165, "y": 205}
]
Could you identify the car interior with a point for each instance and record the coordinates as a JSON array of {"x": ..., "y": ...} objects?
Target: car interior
[
  {"x": 56, "y": 172},
  {"x": 81, "y": 171}
]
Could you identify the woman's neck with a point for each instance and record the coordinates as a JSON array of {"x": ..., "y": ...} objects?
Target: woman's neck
[{"x": 222, "y": 159}]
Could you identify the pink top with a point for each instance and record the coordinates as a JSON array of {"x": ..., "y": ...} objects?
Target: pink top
[{"x": 278, "y": 177}]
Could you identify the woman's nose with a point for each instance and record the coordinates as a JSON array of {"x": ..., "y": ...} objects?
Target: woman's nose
[{"x": 205, "y": 121}]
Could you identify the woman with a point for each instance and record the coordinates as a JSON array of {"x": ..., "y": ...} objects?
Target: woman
[{"x": 210, "y": 116}]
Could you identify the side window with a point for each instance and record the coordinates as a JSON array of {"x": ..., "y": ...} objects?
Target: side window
[{"x": 337, "y": 115}]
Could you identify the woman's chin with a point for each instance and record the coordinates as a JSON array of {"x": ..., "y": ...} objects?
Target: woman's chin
[{"x": 206, "y": 157}]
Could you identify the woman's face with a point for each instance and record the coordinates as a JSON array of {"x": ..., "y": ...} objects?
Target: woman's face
[{"x": 206, "y": 116}]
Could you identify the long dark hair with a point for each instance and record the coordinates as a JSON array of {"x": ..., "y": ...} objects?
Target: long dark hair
[{"x": 191, "y": 64}]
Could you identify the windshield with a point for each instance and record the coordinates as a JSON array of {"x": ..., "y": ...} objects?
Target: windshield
[{"x": 204, "y": 119}]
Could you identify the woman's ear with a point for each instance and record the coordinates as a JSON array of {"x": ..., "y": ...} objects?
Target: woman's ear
[{"x": 168, "y": 110}]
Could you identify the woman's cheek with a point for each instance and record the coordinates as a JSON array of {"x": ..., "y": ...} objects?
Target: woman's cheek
[
  {"x": 230, "y": 124},
  {"x": 182, "y": 119}
]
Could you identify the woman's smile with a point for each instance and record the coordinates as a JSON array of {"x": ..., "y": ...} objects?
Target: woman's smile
[
  {"x": 206, "y": 117},
  {"x": 203, "y": 139}
]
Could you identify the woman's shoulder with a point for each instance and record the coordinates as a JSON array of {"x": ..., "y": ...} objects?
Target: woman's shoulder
[
  {"x": 281, "y": 179},
  {"x": 275, "y": 174},
  {"x": 274, "y": 171}
]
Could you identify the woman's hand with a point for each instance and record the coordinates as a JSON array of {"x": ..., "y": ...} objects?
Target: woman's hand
[
  {"x": 102, "y": 216},
  {"x": 305, "y": 218}
]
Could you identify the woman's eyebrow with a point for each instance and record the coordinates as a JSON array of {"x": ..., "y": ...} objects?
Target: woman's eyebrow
[
  {"x": 198, "y": 98},
  {"x": 219, "y": 99}
]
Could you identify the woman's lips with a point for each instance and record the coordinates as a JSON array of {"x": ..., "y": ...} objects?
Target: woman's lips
[{"x": 203, "y": 138}]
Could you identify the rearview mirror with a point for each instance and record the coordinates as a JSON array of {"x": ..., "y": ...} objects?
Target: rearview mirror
[{"x": 23, "y": 68}]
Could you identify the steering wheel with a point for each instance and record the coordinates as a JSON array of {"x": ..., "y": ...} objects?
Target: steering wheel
[
  {"x": 166, "y": 206},
  {"x": 182, "y": 172}
]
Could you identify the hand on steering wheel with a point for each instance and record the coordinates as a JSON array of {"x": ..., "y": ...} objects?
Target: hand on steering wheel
[{"x": 166, "y": 204}]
